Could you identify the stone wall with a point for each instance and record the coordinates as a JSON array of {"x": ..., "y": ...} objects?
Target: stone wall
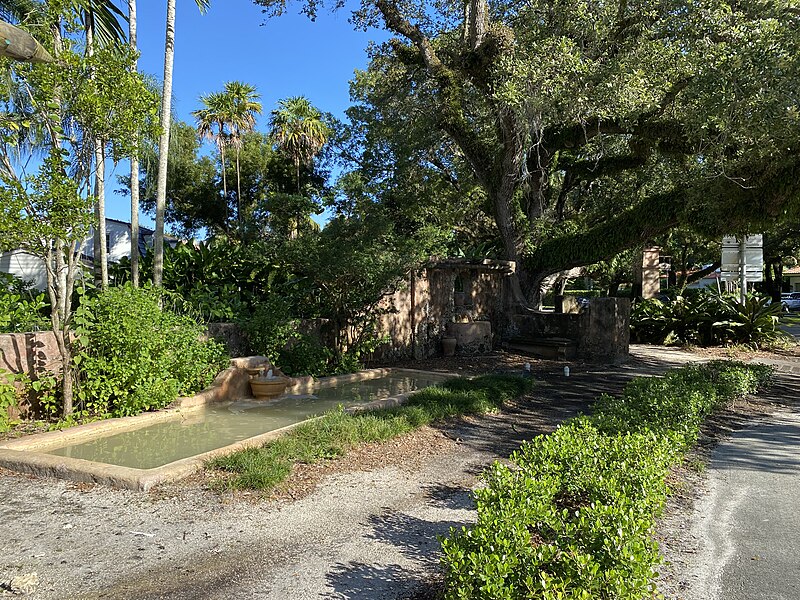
[
  {"x": 230, "y": 336},
  {"x": 606, "y": 334},
  {"x": 29, "y": 353},
  {"x": 600, "y": 333},
  {"x": 430, "y": 305},
  {"x": 545, "y": 325},
  {"x": 32, "y": 354}
]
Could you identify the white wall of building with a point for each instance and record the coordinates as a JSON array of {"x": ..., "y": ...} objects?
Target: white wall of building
[
  {"x": 118, "y": 241},
  {"x": 29, "y": 267},
  {"x": 25, "y": 266}
]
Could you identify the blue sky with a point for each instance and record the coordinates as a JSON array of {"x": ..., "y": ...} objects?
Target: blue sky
[{"x": 283, "y": 56}]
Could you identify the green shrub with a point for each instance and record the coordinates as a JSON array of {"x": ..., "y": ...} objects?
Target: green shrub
[
  {"x": 9, "y": 396},
  {"x": 133, "y": 356},
  {"x": 707, "y": 319},
  {"x": 218, "y": 279},
  {"x": 571, "y": 516},
  {"x": 21, "y": 307},
  {"x": 272, "y": 332}
]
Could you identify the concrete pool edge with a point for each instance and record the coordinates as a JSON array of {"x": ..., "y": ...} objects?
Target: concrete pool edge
[
  {"x": 80, "y": 470},
  {"x": 23, "y": 454}
]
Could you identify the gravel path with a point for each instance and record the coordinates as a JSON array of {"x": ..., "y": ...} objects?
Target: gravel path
[{"x": 358, "y": 535}]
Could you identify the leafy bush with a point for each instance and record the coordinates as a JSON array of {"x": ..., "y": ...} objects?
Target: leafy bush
[
  {"x": 134, "y": 356},
  {"x": 571, "y": 516},
  {"x": 218, "y": 279},
  {"x": 272, "y": 332},
  {"x": 707, "y": 319},
  {"x": 9, "y": 396},
  {"x": 21, "y": 307}
]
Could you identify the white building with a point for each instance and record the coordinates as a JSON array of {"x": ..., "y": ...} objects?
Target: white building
[{"x": 118, "y": 244}]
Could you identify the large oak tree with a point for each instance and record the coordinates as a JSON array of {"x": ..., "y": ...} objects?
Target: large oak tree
[{"x": 593, "y": 126}]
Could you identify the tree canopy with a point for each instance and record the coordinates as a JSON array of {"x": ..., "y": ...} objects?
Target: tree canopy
[{"x": 589, "y": 127}]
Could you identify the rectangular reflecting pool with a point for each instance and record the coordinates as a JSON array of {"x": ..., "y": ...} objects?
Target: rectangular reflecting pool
[{"x": 203, "y": 429}]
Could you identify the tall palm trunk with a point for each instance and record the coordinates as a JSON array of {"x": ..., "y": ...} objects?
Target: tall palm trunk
[
  {"x": 163, "y": 145},
  {"x": 295, "y": 231},
  {"x": 100, "y": 250},
  {"x": 100, "y": 213},
  {"x": 134, "y": 163},
  {"x": 238, "y": 191},
  {"x": 224, "y": 178}
]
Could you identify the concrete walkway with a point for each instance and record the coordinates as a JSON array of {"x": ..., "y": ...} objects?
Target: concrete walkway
[{"x": 748, "y": 523}]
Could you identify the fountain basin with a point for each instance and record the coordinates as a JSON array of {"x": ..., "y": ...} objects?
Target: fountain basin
[
  {"x": 265, "y": 388},
  {"x": 142, "y": 451}
]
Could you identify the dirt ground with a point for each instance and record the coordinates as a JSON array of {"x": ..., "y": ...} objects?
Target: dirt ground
[{"x": 361, "y": 527}]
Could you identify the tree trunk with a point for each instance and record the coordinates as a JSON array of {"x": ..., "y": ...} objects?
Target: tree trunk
[
  {"x": 476, "y": 21},
  {"x": 774, "y": 278},
  {"x": 163, "y": 145},
  {"x": 60, "y": 281},
  {"x": 100, "y": 257},
  {"x": 524, "y": 289},
  {"x": 134, "y": 163},
  {"x": 224, "y": 177},
  {"x": 238, "y": 191},
  {"x": 100, "y": 213}
]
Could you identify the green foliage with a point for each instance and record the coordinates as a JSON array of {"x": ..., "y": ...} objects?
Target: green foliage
[
  {"x": 21, "y": 307},
  {"x": 707, "y": 319},
  {"x": 134, "y": 356},
  {"x": 572, "y": 516},
  {"x": 217, "y": 280},
  {"x": 272, "y": 332},
  {"x": 9, "y": 397},
  {"x": 45, "y": 393},
  {"x": 305, "y": 355},
  {"x": 193, "y": 195},
  {"x": 336, "y": 432},
  {"x": 582, "y": 129}
]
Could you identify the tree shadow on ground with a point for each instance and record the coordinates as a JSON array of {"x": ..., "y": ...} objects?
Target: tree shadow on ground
[
  {"x": 359, "y": 581},
  {"x": 415, "y": 539},
  {"x": 450, "y": 497}
]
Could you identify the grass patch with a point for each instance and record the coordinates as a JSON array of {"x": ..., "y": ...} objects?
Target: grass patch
[{"x": 336, "y": 432}]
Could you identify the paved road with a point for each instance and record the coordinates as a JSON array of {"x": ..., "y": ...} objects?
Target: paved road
[{"x": 749, "y": 522}]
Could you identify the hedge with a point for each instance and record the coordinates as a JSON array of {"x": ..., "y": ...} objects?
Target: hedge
[{"x": 571, "y": 517}]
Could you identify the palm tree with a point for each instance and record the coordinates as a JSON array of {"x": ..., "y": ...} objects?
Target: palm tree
[
  {"x": 243, "y": 103},
  {"x": 212, "y": 121},
  {"x": 163, "y": 142},
  {"x": 100, "y": 254},
  {"x": 298, "y": 129}
]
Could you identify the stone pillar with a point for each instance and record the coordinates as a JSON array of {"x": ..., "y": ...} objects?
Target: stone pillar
[
  {"x": 606, "y": 333},
  {"x": 651, "y": 272},
  {"x": 567, "y": 305}
]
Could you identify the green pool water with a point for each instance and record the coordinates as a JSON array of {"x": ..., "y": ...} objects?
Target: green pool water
[{"x": 203, "y": 429}]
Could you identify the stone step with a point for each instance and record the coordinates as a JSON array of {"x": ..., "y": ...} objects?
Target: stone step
[{"x": 553, "y": 348}]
